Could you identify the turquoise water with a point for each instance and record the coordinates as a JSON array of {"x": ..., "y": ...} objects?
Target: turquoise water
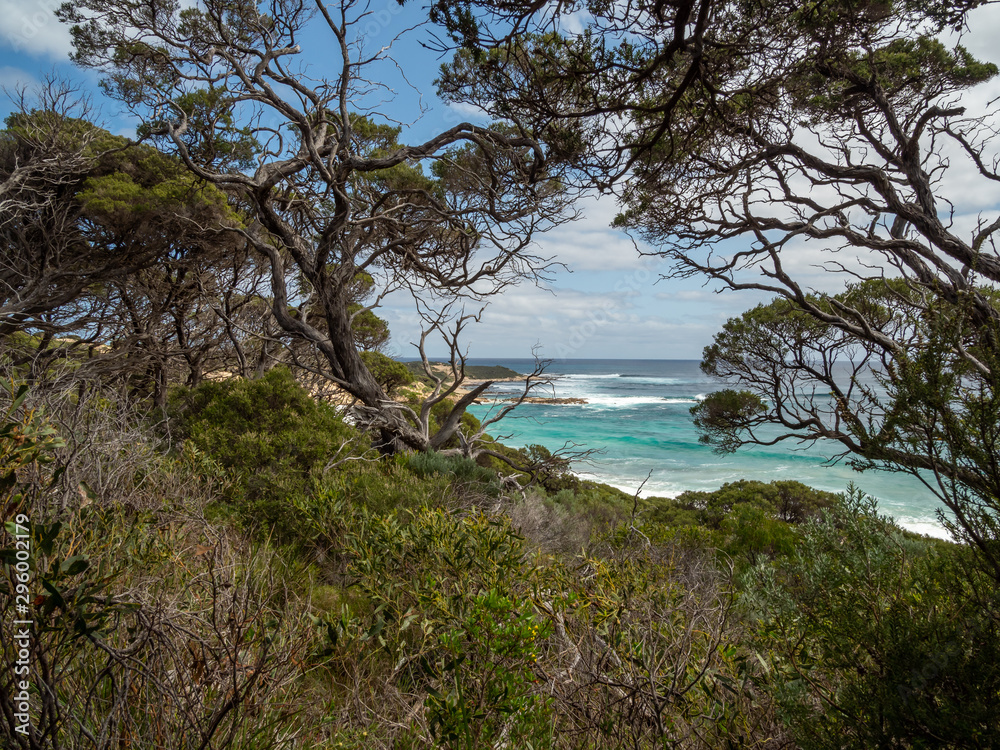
[{"x": 637, "y": 412}]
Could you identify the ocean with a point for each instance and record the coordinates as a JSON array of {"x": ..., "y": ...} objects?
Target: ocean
[{"x": 637, "y": 413}]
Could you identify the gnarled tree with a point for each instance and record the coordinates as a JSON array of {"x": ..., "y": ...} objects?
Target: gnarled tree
[
  {"x": 330, "y": 191},
  {"x": 85, "y": 214},
  {"x": 753, "y": 134}
]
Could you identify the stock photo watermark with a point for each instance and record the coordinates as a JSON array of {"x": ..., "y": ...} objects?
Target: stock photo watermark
[
  {"x": 39, "y": 15},
  {"x": 19, "y": 574}
]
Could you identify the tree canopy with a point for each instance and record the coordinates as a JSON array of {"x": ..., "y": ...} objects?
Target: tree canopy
[
  {"x": 328, "y": 190},
  {"x": 748, "y": 143},
  {"x": 84, "y": 208}
]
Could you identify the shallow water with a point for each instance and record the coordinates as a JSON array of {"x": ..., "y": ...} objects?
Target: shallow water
[{"x": 638, "y": 413}]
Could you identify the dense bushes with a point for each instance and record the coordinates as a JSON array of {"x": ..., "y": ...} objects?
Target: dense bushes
[
  {"x": 462, "y": 636},
  {"x": 783, "y": 500},
  {"x": 273, "y": 439},
  {"x": 876, "y": 639},
  {"x": 150, "y": 626},
  {"x": 747, "y": 520},
  {"x": 462, "y": 469},
  {"x": 415, "y": 602}
]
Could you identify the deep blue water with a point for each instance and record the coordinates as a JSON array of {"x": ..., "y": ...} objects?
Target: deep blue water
[{"x": 638, "y": 413}]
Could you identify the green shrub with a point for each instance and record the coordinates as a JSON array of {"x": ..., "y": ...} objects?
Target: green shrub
[
  {"x": 147, "y": 626},
  {"x": 462, "y": 469},
  {"x": 273, "y": 438},
  {"x": 449, "y": 616},
  {"x": 750, "y": 533},
  {"x": 784, "y": 500},
  {"x": 389, "y": 373},
  {"x": 873, "y": 639},
  {"x": 385, "y": 486}
]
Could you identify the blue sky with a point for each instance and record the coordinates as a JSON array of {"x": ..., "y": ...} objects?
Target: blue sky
[{"x": 609, "y": 303}]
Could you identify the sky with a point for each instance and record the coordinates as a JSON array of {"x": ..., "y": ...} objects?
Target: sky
[{"x": 608, "y": 303}]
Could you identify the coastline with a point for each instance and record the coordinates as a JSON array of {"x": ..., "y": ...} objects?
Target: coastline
[
  {"x": 587, "y": 408},
  {"x": 637, "y": 411}
]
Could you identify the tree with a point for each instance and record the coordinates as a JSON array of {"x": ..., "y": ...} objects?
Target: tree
[
  {"x": 751, "y": 135},
  {"x": 922, "y": 408},
  {"x": 851, "y": 153},
  {"x": 193, "y": 314},
  {"x": 331, "y": 192},
  {"x": 85, "y": 210},
  {"x": 644, "y": 82},
  {"x": 876, "y": 627},
  {"x": 389, "y": 373}
]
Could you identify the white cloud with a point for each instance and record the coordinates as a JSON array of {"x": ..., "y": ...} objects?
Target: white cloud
[
  {"x": 573, "y": 323},
  {"x": 32, "y": 28},
  {"x": 983, "y": 29},
  {"x": 589, "y": 243},
  {"x": 461, "y": 111}
]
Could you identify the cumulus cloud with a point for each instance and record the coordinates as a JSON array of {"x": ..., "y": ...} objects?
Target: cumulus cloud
[
  {"x": 462, "y": 111},
  {"x": 570, "y": 323},
  {"x": 32, "y": 28},
  {"x": 590, "y": 243}
]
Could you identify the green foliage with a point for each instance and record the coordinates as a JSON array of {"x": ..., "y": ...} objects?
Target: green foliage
[
  {"x": 439, "y": 414},
  {"x": 572, "y": 520},
  {"x": 875, "y": 640},
  {"x": 785, "y": 500},
  {"x": 749, "y": 521},
  {"x": 26, "y": 441},
  {"x": 449, "y": 610},
  {"x": 389, "y": 373},
  {"x": 929, "y": 406},
  {"x": 450, "y": 606},
  {"x": 124, "y": 181},
  {"x": 273, "y": 438},
  {"x": 369, "y": 331},
  {"x": 212, "y": 135},
  {"x": 383, "y": 486},
  {"x": 722, "y": 415},
  {"x": 602, "y": 504},
  {"x": 129, "y": 610},
  {"x": 72, "y": 599},
  {"x": 920, "y": 66},
  {"x": 462, "y": 469},
  {"x": 750, "y": 533}
]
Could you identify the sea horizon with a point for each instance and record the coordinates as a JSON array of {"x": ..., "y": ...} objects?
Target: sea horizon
[{"x": 637, "y": 412}]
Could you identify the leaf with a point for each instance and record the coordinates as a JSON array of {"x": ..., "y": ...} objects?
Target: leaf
[
  {"x": 56, "y": 598},
  {"x": 74, "y": 565},
  {"x": 87, "y": 495},
  {"x": 47, "y": 535},
  {"x": 7, "y": 481},
  {"x": 22, "y": 393}
]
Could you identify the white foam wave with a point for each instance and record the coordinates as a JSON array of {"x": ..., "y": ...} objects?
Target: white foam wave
[
  {"x": 636, "y": 379},
  {"x": 575, "y": 376},
  {"x": 626, "y": 401},
  {"x": 928, "y": 528}
]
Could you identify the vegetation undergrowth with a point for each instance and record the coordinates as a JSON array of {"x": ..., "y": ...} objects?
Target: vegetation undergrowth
[{"x": 262, "y": 578}]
